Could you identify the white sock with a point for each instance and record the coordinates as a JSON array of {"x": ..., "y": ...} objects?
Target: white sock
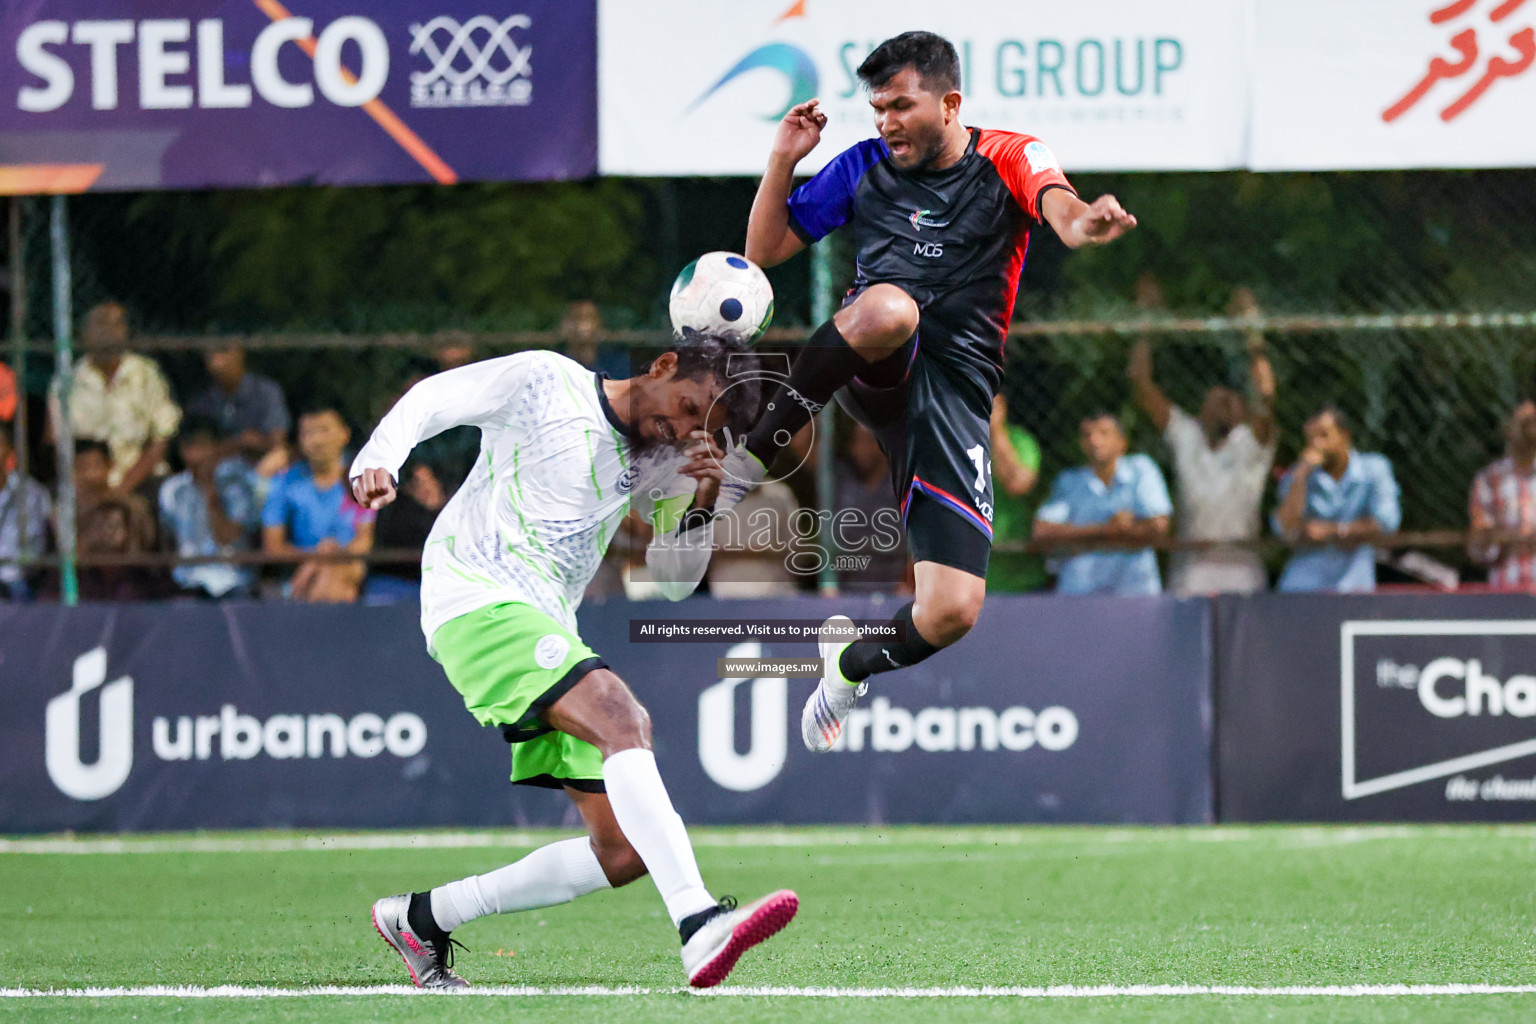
[
  {"x": 547, "y": 877},
  {"x": 645, "y": 815}
]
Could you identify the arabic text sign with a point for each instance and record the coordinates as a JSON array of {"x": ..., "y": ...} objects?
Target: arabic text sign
[{"x": 1345, "y": 84}]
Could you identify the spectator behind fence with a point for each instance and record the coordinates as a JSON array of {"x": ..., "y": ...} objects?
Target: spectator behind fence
[
  {"x": 109, "y": 527},
  {"x": 1336, "y": 494},
  {"x": 1116, "y": 497},
  {"x": 754, "y": 542},
  {"x": 1503, "y": 500},
  {"x": 310, "y": 508},
  {"x": 93, "y": 471},
  {"x": 249, "y": 409},
  {"x": 1221, "y": 463},
  {"x": 405, "y": 523},
  {"x": 873, "y": 527},
  {"x": 121, "y": 398},
  {"x": 209, "y": 508},
  {"x": 1015, "y": 472},
  {"x": 25, "y": 509}
]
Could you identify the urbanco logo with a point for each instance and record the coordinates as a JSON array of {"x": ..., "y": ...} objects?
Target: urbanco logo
[
  {"x": 764, "y": 759},
  {"x": 114, "y": 759}
]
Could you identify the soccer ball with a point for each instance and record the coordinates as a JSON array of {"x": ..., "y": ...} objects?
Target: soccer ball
[{"x": 722, "y": 293}]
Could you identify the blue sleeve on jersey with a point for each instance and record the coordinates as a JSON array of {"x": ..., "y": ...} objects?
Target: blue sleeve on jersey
[{"x": 825, "y": 203}]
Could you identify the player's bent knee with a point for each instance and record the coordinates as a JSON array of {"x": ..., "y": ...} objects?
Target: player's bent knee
[
  {"x": 603, "y": 711},
  {"x": 881, "y": 318}
]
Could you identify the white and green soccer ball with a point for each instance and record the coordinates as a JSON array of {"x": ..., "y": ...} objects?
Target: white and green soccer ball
[{"x": 722, "y": 293}]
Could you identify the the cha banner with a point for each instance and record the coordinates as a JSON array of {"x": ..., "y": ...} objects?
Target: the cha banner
[
  {"x": 694, "y": 87},
  {"x": 1367, "y": 84},
  {"x": 147, "y": 94},
  {"x": 1376, "y": 707}
]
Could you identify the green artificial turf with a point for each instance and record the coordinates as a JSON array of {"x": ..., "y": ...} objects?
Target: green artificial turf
[{"x": 881, "y": 908}]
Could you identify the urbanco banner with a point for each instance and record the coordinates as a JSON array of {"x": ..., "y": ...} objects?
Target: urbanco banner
[
  {"x": 113, "y": 94},
  {"x": 694, "y": 87},
  {"x": 189, "y": 716},
  {"x": 1367, "y": 84},
  {"x": 1371, "y": 708}
]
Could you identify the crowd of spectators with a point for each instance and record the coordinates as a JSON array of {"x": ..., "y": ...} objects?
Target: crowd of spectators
[{"x": 229, "y": 477}]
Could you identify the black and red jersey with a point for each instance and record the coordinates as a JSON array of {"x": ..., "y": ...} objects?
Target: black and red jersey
[{"x": 953, "y": 239}]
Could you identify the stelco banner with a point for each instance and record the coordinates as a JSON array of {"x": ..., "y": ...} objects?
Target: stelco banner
[
  {"x": 1394, "y": 708},
  {"x": 698, "y": 88},
  {"x": 112, "y": 94},
  {"x": 201, "y": 716},
  {"x": 1345, "y": 84}
]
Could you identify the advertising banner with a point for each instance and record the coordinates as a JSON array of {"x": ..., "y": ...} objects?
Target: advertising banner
[
  {"x": 113, "y": 94},
  {"x": 697, "y": 88},
  {"x": 145, "y": 717},
  {"x": 200, "y": 716},
  {"x": 1362, "y": 84},
  {"x": 1369, "y": 708}
]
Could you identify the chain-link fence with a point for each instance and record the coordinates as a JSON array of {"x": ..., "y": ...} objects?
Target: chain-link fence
[{"x": 1404, "y": 298}]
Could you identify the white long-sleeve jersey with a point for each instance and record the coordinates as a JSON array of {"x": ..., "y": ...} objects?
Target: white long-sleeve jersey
[{"x": 555, "y": 477}]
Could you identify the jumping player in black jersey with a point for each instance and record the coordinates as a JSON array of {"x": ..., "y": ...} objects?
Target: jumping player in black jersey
[{"x": 941, "y": 216}]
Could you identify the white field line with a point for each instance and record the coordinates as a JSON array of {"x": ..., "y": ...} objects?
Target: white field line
[
  {"x": 1004, "y": 992},
  {"x": 872, "y": 836}
]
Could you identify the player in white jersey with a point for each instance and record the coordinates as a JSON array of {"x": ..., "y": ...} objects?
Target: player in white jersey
[{"x": 564, "y": 455}]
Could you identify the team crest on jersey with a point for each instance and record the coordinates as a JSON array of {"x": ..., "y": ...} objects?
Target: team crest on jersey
[
  {"x": 626, "y": 480},
  {"x": 1040, "y": 157},
  {"x": 921, "y": 220},
  {"x": 551, "y": 650}
]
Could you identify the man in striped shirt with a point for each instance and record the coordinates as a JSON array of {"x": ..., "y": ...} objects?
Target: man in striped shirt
[{"x": 1503, "y": 500}]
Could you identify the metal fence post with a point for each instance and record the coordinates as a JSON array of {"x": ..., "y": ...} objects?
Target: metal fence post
[
  {"x": 64, "y": 435},
  {"x": 826, "y": 450},
  {"x": 18, "y": 330}
]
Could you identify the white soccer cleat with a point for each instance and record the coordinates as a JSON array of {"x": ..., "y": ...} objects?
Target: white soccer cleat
[
  {"x": 821, "y": 722},
  {"x": 713, "y": 950},
  {"x": 430, "y": 963}
]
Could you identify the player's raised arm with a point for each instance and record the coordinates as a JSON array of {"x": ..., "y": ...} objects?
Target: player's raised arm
[
  {"x": 682, "y": 540},
  {"x": 467, "y": 396},
  {"x": 1078, "y": 223},
  {"x": 770, "y": 240}
]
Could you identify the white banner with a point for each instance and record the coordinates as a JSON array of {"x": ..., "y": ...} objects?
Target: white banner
[
  {"x": 1363, "y": 84},
  {"x": 697, "y": 86}
]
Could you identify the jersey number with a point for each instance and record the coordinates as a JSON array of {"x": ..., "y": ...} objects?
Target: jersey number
[{"x": 978, "y": 455}]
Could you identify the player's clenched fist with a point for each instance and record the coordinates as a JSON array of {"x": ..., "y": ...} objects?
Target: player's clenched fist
[
  {"x": 800, "y": 130},
  {"x": 374, "y": 489}
]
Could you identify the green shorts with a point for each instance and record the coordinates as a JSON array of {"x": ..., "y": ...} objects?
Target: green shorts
[{"x": 509, "y": 662}]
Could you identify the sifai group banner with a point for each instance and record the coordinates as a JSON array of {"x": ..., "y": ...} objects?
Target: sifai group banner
[
  {"x": 1370, "y": 708},
  {"x": 697, "y": 88},
  {"x": 113, "y": 94},
  {"x": 199, "y": 716},
  {"x": 1366, "y": 84}
]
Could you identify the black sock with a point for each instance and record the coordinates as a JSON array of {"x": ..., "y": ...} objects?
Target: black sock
[
  {"x": 693, "y": 922},
  {"x": 863, "y": 658},
  {"x": 419, "y": 917},
  {"x": 826, "y": 363}
]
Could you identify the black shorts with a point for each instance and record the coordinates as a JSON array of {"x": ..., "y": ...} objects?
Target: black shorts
[{"x": 932, "y": 413}]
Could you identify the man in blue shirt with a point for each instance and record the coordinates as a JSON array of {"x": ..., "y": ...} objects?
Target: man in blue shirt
[
  {"x": 1115, "y": 497},
  {"x": 310, "y": 508},
  {"x": 249, "y": 408},
  {"x": 209, "y": 508},
  {"x": 1345, "y": 496}
]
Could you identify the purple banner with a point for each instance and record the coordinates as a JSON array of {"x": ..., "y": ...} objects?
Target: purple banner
[{"x": 147, "y": 94}]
